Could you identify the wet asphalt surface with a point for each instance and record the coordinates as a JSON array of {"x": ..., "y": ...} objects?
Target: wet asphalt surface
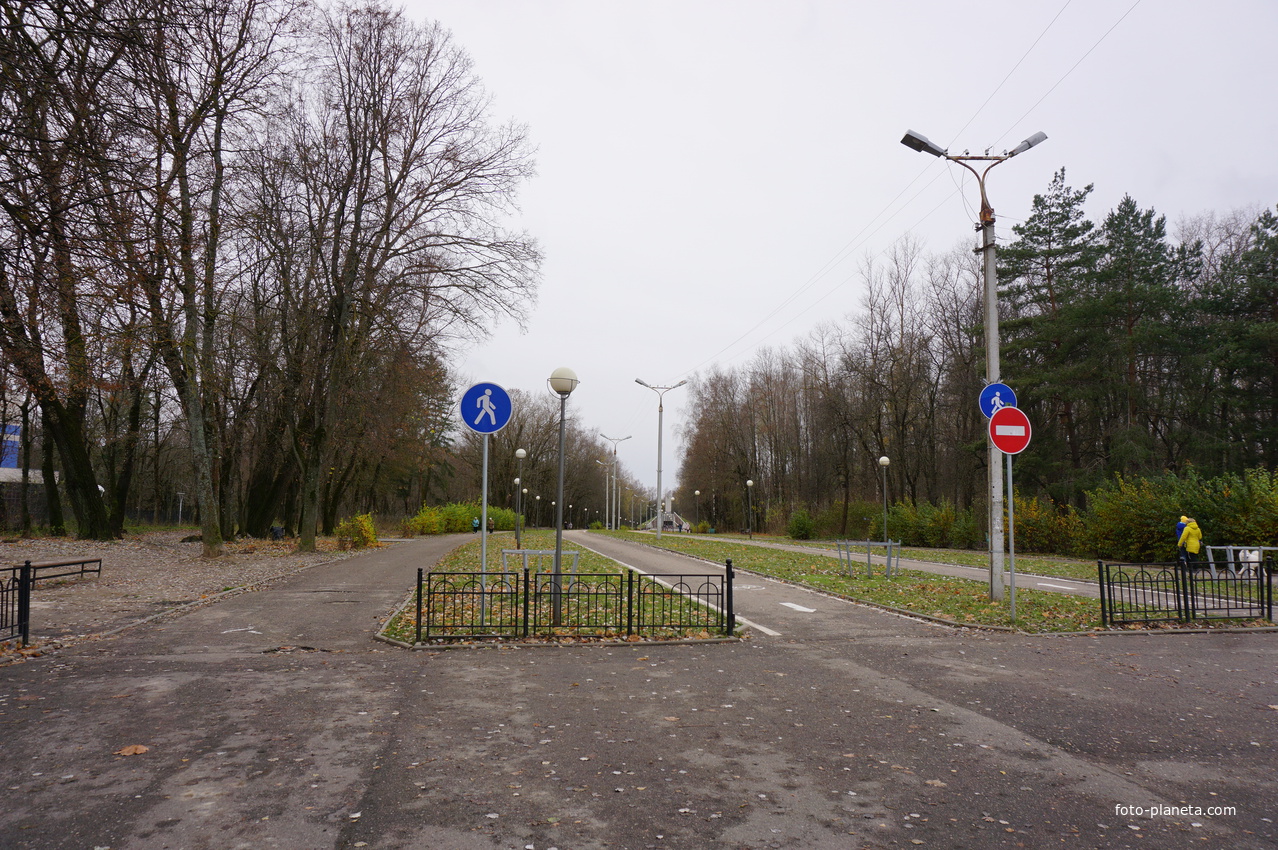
[{"x": 272, "y": 719}]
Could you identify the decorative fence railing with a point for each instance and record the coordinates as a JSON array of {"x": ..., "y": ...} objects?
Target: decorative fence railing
[
  {"x": 1149, "y": 593},
  {"x": 525, "y": 603},
  {"x": 15, "y": 591}
]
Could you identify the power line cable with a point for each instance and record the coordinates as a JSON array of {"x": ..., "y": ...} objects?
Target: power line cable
[{"x": 860, "y": 237}]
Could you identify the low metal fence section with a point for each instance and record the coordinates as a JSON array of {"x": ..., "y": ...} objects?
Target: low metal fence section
[
  {"x": 1237, "y": 558},
  {"x": 525, "y": 603},
  {"x": 536, "y": 555},
  {"x": 890, "y": 548},
  {"x": 1184, "y": 592},
  {"x": 16, "y": 583}
]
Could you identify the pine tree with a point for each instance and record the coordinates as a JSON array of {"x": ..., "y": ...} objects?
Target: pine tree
[{"x": 1048, "y": 297}]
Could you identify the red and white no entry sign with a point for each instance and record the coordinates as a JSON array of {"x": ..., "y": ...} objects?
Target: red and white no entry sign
[{"x": 1010, "y": 430}]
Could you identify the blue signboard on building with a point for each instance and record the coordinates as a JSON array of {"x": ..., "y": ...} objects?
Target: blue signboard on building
[{"x": 10, "y": 443}]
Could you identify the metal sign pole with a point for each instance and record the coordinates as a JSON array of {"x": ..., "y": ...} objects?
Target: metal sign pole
[
  {"x": 1011, "y": 536},
  {"x": 483, "y": 541}
]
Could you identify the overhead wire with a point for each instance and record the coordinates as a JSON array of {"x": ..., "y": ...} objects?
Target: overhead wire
[
  {"x": 1074, "y": 66},
  {"x": 862, "y": 235}
]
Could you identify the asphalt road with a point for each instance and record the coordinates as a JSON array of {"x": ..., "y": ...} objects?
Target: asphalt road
[{"x": 272, "y": 719}]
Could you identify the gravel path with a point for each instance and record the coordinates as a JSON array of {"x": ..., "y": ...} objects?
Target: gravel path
[{"x": 142, "y": 575}]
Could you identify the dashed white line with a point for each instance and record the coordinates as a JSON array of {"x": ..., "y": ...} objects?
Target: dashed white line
[
  {"x": 1057, "y": 586},
  {"x": 799, "y": 608}
]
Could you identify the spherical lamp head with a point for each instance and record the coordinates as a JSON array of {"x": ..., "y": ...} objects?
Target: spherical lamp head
[{"x": 563, "y": 381}]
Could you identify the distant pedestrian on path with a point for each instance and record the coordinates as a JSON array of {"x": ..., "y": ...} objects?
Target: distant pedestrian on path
[
  {"x": 1191, "y": 540},
  {"x": 1180, "y": 529},
  {"x": 492, "y": 525},
  {"x": 474, "y": 525}
]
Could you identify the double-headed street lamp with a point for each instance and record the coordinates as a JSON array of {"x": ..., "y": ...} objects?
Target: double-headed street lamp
[
  {"x": 614, "y": 515},
  {"x": 607, "y": 488},
  {"x": 921, "y": 143},
  {"x": 661, "y": 393}
]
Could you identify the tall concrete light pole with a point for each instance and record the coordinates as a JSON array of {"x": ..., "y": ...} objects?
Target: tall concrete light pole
[
  {"x": 661, "y": 394},
  {"x": 614, "y": 516},
  {"x": 921, "y": 143}
]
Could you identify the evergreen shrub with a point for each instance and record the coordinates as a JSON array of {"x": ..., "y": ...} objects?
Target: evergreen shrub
[{"x": 801, "y": 525}]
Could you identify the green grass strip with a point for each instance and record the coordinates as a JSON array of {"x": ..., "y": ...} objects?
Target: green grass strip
[
  {"x": 594, "y": 617},
  {"x": 956, "y": 599}
]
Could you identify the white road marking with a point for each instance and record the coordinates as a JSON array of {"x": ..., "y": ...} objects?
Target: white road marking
[
  {"x": 767, "y": 631},
  {"x": 742, "y": 620},
  {"x": 799, "y": 608},
  {"x": 1057, "y": 586}
]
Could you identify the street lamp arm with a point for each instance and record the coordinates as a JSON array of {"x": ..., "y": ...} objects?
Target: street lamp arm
[
  {"x": 986, "y": 226},
  {"x": 661, "y": 394},
  {"x": 921, "y": 143}
]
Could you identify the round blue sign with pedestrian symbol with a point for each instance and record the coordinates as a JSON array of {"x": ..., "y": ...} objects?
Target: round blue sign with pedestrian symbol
[
  {"x": 995, "y": 397},
  {"x": 485, "y": 408}
]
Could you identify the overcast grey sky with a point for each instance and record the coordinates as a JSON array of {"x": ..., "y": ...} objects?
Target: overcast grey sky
[{"x": 712, "y": 172}]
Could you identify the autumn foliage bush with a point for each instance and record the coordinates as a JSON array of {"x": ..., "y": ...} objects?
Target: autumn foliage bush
[
  {"x": 1134, "y": 519},
  {"x": 1128, "y": 519},
  {"x": 1042, "y": 526},
  {"x": 456, "y": 518},
  {"x": 357, "y": 532}
]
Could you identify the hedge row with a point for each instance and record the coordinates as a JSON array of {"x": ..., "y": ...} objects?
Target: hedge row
[
  {"x": 1128, "y": 519},
  {"x": 457, "y": 518}
]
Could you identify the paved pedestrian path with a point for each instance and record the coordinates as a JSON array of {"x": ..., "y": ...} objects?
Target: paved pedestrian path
[{"x": 274, "y": 720}]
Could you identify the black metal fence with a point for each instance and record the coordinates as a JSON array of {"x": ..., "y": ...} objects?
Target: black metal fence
[
  {"x": 1150, "y": 593},
  {"x": 525, "y": 603},
  {"x": 15, "y": 591}
]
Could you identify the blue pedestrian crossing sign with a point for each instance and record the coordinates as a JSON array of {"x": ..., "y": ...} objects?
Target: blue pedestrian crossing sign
[
  {"x": 995, "y": 397},
  {"x": 485, "y": 408}
]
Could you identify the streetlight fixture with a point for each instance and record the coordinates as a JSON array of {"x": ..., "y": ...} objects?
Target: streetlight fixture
[
  {"x": 921, "y": 143},
  {"x": 661, "y": 394},
  {"x": 607, "y": 488},
  {"x": 520, "y": 454},
  {"x": 883, "y": 464},
  {"x": 614, "y": 516},
  {"x": 562, "y": 381},
  {"x": 696, "y": 509},
  {"x": 749, "y": 509}
]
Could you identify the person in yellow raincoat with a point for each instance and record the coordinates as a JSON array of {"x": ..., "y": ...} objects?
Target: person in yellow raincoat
[{"x": 1191, "y": 540}]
